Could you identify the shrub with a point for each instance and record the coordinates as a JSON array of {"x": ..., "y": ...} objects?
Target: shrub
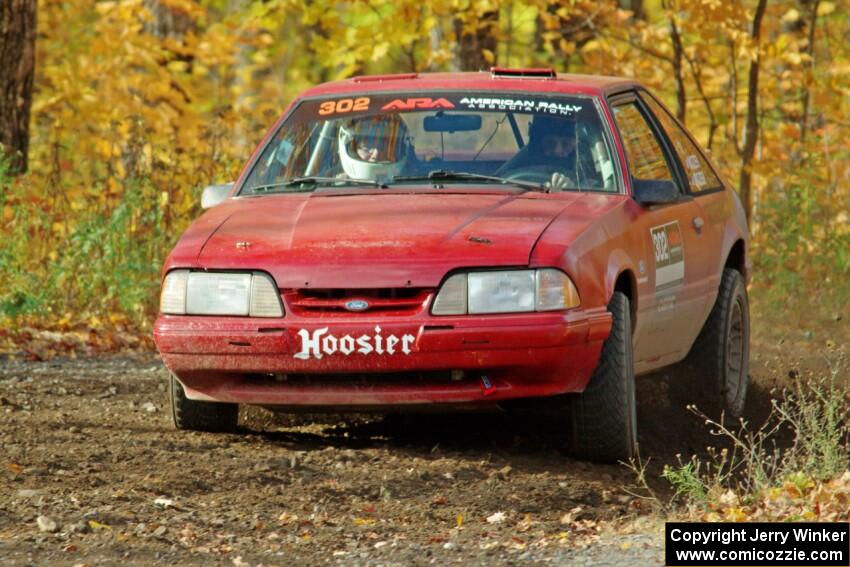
[{"x": 803, "y": 444}]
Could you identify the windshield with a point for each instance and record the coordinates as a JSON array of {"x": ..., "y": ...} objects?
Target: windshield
[{"x": 554, "y": 143}]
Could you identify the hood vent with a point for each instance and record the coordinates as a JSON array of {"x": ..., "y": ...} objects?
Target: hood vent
[{"x": 531, "y": 73}]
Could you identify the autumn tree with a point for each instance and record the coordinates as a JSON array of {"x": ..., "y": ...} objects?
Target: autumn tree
[
  {"x": 138, "y": 104},
  {"x": 17, "y": 61},
  {"x": 751, "y": 127},
  {"x": 562, "y": 30},
  {"x": 477, "y": 40}
]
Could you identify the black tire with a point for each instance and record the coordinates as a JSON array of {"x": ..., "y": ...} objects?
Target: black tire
[
  {"x": 720, "y": 357},
  {"x": 604, "y": 416},
  {"x": 201, "y": 416}
]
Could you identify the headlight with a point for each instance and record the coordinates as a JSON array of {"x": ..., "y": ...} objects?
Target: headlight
[
  {"x": 211, "y": 293},
  {"x": 501, "y": 292},
  {"x": 507, "y": 291}
]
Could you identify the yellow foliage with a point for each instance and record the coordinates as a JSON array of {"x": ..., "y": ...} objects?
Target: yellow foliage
[{"x": 153, "y": 99}]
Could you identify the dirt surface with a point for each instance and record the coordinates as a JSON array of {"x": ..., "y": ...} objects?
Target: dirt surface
[
  {"x": 89, "y": 444},
  {"x": 94, "y": 473}
]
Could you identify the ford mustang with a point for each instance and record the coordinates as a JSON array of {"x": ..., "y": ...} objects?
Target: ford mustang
[{"x": 466, "y": 240}]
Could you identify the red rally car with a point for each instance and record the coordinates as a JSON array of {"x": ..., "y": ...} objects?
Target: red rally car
[{"x": 462, "y": 239}]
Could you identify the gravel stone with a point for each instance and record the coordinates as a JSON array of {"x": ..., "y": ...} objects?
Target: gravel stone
[{"x": 47, "y": 524}]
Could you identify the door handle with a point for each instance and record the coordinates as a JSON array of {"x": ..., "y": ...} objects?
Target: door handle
[{"x": 698, "y": 224}]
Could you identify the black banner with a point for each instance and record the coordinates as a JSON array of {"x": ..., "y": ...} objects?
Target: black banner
[{"x": 763, "y": 544}]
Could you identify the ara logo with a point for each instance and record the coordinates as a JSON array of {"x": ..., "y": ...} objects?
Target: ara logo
[
  {"x": 414, "y": 103},
  {"x": 320, "y": 343}
]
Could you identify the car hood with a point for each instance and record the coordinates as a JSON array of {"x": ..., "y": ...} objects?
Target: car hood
[{"x": 377, "y": 240}]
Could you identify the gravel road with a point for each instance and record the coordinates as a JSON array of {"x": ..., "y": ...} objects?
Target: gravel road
[{"x": 94, "y": 473}]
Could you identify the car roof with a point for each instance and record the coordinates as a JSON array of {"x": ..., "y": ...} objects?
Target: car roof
[{"x": 511, "y": 80}]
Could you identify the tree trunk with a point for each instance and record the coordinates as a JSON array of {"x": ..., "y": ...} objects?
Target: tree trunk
[
  {"x": 678, "y": 71},
  {"x": 17, "y": 61},
  {"x": 471, "y": 44},
  {"x": 575, "y": 26},
  {"x": 636, "y": 8},
  {"x": 808, "y": 79},
  {"x": 751, "y": 128},
  {"x": 696, "y": 71},
  {"x": 167, "y": 21}
]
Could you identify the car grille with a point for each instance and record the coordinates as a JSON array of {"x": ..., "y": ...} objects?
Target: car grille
[
  {"x": 336, "y": 302},
  {"x": 428, "y": 377}
]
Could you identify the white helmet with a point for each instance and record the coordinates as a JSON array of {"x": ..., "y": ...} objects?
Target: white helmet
[{"x": 373, "y": 147}]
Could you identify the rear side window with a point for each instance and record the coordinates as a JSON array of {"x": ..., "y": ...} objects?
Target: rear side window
[
  {"x": 700, "y": 175},
  {"x": 644, "y": 153}
]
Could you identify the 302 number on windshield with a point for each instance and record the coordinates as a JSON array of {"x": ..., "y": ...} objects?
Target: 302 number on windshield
[{"x": 344, "y": 105}]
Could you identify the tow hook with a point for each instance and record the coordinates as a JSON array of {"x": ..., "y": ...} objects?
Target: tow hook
[{"x": 487, "y": 386}]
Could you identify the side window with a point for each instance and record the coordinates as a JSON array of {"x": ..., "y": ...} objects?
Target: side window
[
  {"x": 700, "y": 175},
  {"x": 645, "y": 156}
]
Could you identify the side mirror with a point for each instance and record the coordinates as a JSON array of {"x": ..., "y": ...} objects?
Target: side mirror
[
  {"x": 215, "y": 195},
  {"x": 655, "y": 192}
]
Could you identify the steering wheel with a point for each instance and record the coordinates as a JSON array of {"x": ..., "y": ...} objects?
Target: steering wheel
[{"x": 535, "y": 174}]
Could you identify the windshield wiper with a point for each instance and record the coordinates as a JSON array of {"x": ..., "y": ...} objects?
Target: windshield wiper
[
  {"x": 443, "y": 175},
  {"x": 315, "y": 180}
]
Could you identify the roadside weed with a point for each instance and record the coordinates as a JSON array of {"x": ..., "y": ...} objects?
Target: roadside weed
[{"x": 800, "y": 448}]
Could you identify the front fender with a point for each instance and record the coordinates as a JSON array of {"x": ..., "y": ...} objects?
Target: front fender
[{"x": 619, "y": 262}]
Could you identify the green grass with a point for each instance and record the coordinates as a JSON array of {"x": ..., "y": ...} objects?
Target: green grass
[{"x": 106, "y": 266}]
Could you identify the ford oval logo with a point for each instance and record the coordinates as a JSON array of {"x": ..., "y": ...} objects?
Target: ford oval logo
[{"x": 357, "y": 305}]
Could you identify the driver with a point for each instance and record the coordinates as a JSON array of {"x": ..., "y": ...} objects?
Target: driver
[
  {"x": 551, "y": 150},
  {"x": 374, "y": 147}
]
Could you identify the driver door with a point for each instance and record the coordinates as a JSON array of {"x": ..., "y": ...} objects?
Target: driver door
[{"x": 672, "y": 300}]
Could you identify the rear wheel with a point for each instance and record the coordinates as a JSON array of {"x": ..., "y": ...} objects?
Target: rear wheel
[
  {"x": 201, "y": 416},
  {"x": 719, "y": 359},
  {"x": 604, "y": 416}
]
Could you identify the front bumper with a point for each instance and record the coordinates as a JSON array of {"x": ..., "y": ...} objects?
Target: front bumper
[{"x": 495, "y": 358}]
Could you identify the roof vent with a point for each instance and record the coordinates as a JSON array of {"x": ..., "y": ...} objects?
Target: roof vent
[
  {"x": 536, "y": 73},
  {"x": 376, "y": 78}
]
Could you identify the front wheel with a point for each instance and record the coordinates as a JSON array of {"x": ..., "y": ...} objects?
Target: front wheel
[
  {"x": 604, "y": 416},
  {"x": 201, "y": 416}
]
